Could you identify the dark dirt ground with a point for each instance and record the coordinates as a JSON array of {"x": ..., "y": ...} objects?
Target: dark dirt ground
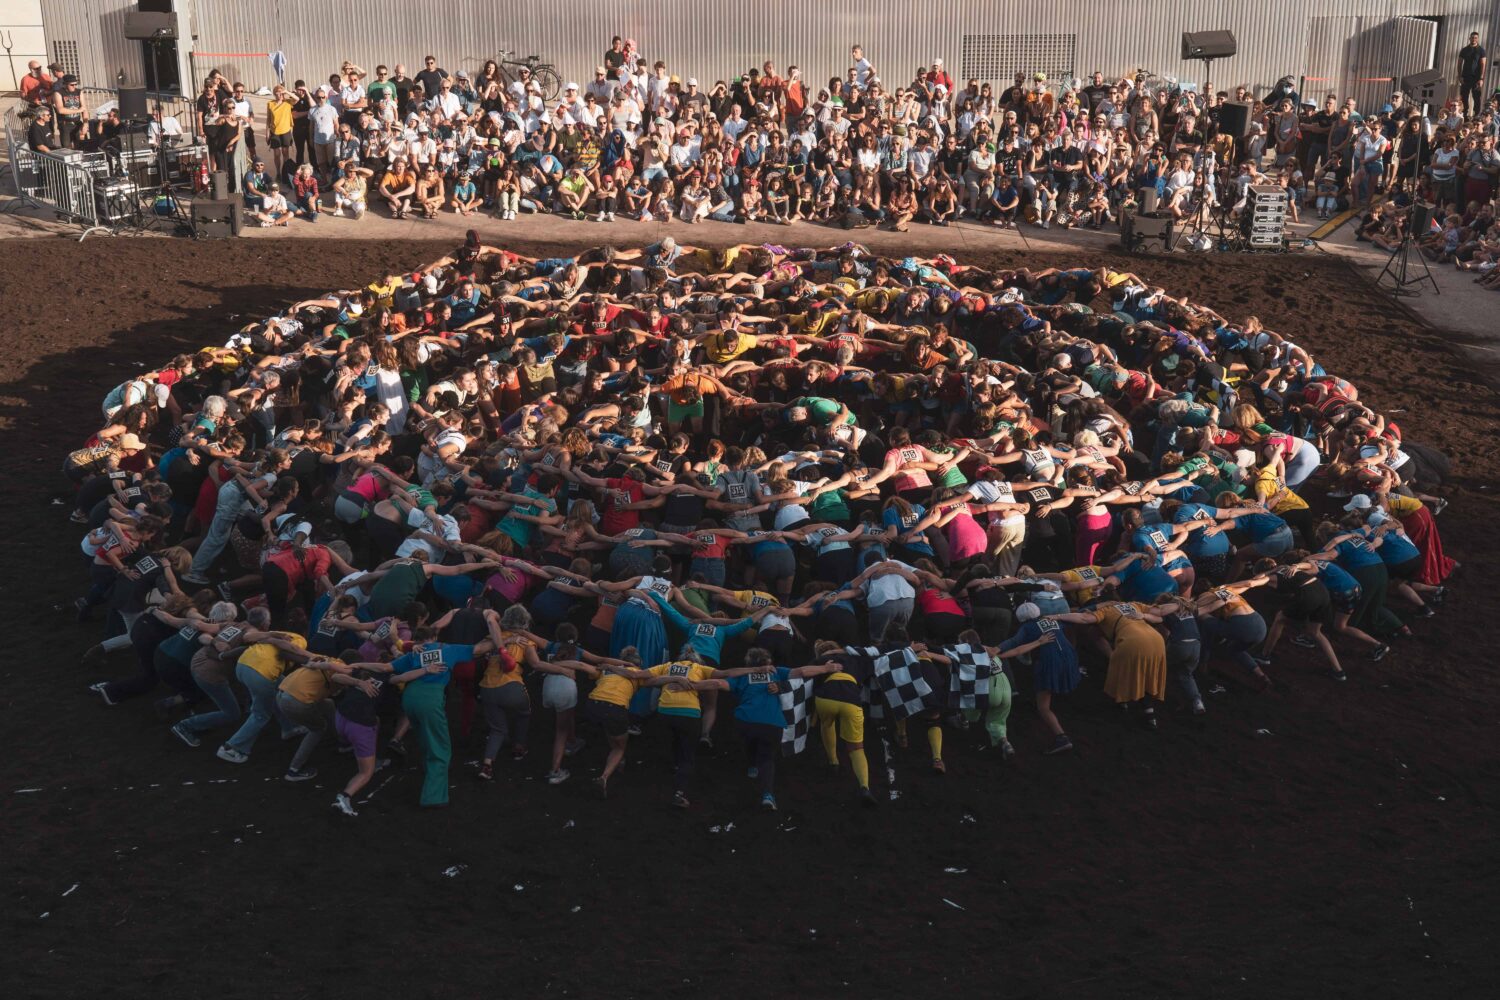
[{"x": 1319, "y": 841}]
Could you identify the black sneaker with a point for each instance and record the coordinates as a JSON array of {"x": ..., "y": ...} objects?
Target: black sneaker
[
  {"x": 186, "y": 736},
  {"x": 1439, "y": 506},
  {"x": 680, "y": 800},
  {"x": 300, "y": 774},
  {"x": 396, "y": 748},
  {"x": 1060, "y": 745},
  {"x": 1380, "y": 651},
  {"x": 867, "y": 798},
  {"x": 1305, "y": 641},
  {"x": 1425, "y": 611},
  {"x": 102, "y": 690}
]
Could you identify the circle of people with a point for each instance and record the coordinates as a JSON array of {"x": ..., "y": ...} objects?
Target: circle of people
[
  {"x": 838, "y": 487},
  {"x": 641, "y": 142}
]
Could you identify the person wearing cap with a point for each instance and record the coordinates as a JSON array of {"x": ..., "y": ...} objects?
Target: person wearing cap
[
  {"x": 602, "y": 86},
  {"x": 69, "y": 112},
  {"x": 255, "y": 184}
]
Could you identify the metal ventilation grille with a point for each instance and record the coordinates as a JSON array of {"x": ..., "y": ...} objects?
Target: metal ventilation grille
[
  {"x": 66, "y": 53},
  {"x": 998, "y": 57}
]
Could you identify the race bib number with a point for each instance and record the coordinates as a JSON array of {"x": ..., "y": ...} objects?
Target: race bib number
[
  {"x": 1127, "y": 610},
  {"x": 663, "y": 465},
  {"x": 1040, "y": 496},
  {"x": 328, "y": 627},
  {"x": 1087, "y": 575},
  {"x": 145, "y": 565},
  {"x": 1047, "y": 625},
  {"x": 230, "y": 634},
  {"x": 383, "y": 632},
  {"x": 679, "y": 669},
  {"x": 429, "y": 657},
  {"x": 761, "y": 677},
  {"x": 737, "y": 493},
  {"x": 188, "y": 632},
  {"x": 1224, "y": 595},
  {"x": 1158, "y": 539},
  {"x": 1133, "y": 489},
  {"x": 760, "y": 601},
  {"x": 705, "y": 630},
  {"x": 707, "y": 539}
]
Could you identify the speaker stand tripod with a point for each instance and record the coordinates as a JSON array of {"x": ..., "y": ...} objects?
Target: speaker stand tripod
[{"x": 1403, "y": 276}]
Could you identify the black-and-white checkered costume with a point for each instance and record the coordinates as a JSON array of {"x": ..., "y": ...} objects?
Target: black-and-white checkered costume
[
  {"x": 800, "y": 715},
  {"x": 969, "y": 677},
  {"x": 897, "y": 684}
]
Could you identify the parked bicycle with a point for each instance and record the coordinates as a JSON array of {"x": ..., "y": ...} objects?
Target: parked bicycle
[{"x": 545, "y": 74}]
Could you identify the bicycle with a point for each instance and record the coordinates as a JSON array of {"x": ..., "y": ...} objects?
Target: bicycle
[{"x": 545, "y": 74}]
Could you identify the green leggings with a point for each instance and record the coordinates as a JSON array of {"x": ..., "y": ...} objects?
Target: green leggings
[
  {"x": 999, "y": 710},
  {"x": 426, "y": 706}
]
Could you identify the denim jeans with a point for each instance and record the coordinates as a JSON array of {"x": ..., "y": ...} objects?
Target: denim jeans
[
  {"x": 262, "y": 708},
  {"x": 225, "y": 514},
  {"x": 226, "y": 705}
]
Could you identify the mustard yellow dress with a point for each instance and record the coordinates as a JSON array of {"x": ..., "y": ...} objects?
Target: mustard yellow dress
[{"x": 1138, "y": 658}]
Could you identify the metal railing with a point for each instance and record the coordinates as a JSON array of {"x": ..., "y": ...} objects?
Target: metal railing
[
  {"x": 62, "y": 182},
  {"x": 172, "y": 106}
]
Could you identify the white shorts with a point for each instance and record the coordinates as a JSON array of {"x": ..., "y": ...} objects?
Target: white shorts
[{"x": 559, "y": 693}]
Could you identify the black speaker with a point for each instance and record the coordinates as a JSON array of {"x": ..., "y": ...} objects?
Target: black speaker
[
  {"x": 219, "y": 181},
  {"x": 1207, "y": 45},
  {"x": 1138, "y": 232},
  {"x": 1421, "y": 219},
  {"x": 143, "y": 25},
  {"x": 218, "y": 218},
  {"x": 159, "y": 6},
  {"x": 132, "y": 103},
  {"x": 1234, "y": 119}
]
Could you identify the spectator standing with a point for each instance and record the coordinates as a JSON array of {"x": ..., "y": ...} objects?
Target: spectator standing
[
  {"x": 1472, "y": 62},
  {"x": 323, "y": 121}
]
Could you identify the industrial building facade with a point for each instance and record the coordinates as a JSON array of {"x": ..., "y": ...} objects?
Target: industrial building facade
[{"x": 1350, "y": 47}]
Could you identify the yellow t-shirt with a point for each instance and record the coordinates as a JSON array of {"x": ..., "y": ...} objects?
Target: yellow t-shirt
[
  {"x": 308, "y": 685},
  {"x": 674, "y": 702},
  {"x": 1273, "y": 489},
  {"x": 1083, "y": 574},
  {"x": 281, "y": 117},
  {"x": 726, "y": 345},
  {"x": 614, "y": 689},
  {"x": 1401, "y": 505},
  {"x": 266, "y": 660},
  {"x": 385, "y": 295},
  {"x": 494, "y": 673},
  {"x": 755, "y": 599}
]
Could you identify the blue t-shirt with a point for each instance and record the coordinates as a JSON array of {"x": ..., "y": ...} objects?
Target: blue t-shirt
[
  {"x": 892, "y": 518},
  {"x": 759, "y": 695},
  {"x": 1356, "y": 553},
  {"x": 1138, "y": 583},
  {"x": 1396, "y": 548},
  {"x": 450, "y": 654},
  {"x": 1335, "y": 579},
  {"x": 1198, "y": 544},
  {"x": 1259, "y": 526},
  {"x": 1149, "y": 537}
]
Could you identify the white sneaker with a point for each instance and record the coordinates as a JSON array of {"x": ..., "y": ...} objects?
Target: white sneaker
[
  {"x": 600, "y": 218},
  {"x": 344, "y": 805},
  {"x": 645, "y": 216},
  {"x": 611, "y": 216},
  {"x": 339, "y": 211}
]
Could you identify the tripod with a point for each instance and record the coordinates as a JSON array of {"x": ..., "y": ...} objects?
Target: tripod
[
  {"x": 1398, "y": 268},
  {"x": 176, "y": 217}
]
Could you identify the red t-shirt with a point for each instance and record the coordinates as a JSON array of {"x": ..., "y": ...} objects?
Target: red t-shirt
[
  {"x": 619, "y": 493},
  {"x": 314, "y": 562}
]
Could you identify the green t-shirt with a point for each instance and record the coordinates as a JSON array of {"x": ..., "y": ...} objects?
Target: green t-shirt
[{"x": 376, "y": 89}]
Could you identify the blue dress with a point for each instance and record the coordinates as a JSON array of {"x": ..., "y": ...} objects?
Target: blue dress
[
  {"x": 1054, "y": 666},
  {"x": 638, "y": 624}
]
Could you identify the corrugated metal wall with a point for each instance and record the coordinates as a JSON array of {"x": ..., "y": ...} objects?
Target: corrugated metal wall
[{"x": 717, "y": 39}]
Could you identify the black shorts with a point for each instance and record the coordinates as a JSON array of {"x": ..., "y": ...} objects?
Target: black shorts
[
  {"x": 1408, "y": 570},
  {"x": 1311, "y": 603},
  {"x": 613, "y": 719},
  {"x": 282, "y": 141}
]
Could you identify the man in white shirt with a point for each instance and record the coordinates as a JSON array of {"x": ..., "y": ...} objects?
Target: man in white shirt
[
  {"x": 353, "y": 99},
  {"x": 735, "y": 125},
  {"x": 323, "y": 120},
  {"x": 445, "y": 100},
  {"x": 573, "y": 104},
  {"x": 863, "y": 70}
]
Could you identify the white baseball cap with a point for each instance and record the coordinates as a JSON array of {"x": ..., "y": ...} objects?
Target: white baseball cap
[
  {"x": 571, "y": 86},
  {"x": 1359, "y": 501},
  {"x": 937, "y": 62},
  {"x": 692, "y": 81}
]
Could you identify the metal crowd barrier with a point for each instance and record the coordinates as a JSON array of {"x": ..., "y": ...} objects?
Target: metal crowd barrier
[{"x": 62, "y": 181}]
